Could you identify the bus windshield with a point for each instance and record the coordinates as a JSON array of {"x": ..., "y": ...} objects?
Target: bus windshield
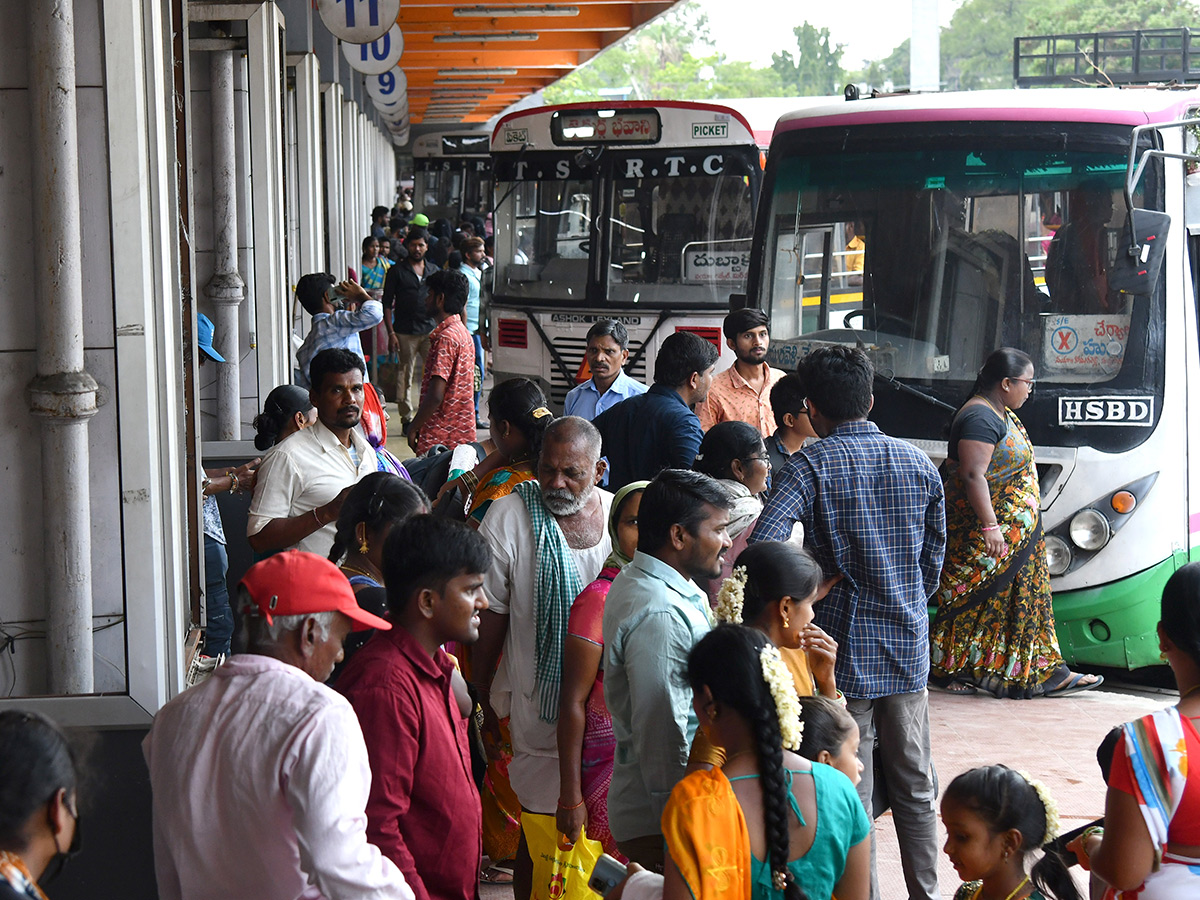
[
  {"x": 933, "y": 251},
  {"x": 652, "y": 228}
]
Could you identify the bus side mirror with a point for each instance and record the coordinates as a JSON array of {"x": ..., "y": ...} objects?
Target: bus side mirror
[
  {"x": 1143, "y": 247},
  {"x": 738, "y": 301}
]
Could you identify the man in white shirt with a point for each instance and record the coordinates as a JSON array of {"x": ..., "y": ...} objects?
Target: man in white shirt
[
  {"x": 549, "y": 540},
  {"x": 302, "y": 482},
  {"x": 260, "y": 775}
]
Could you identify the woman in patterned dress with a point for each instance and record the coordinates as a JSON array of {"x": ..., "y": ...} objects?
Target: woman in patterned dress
[{"x": 994, "y": 627}]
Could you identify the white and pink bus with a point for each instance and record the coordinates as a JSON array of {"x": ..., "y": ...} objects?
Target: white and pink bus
[{"x": 953, "y": 202}]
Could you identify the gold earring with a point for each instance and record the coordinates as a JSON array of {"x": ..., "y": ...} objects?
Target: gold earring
[
  {"x": 712, "y": 714},
  {"x": 362, "y": 547},
  {"x": 786, "y": 621}
]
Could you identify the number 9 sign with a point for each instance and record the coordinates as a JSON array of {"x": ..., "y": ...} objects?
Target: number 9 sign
[
  {"x": 388, "y": 87},
  {"x": 378, "y": 56},
  {"x": 358, "y": 21}
]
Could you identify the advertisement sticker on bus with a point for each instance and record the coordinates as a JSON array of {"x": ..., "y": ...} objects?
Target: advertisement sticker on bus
[{"x": 1090, "y": 346}]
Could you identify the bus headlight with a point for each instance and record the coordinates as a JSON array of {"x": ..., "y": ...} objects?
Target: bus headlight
[
  {"x": 1089, "y": 530},
  {"x": 1058, "y": 555}
]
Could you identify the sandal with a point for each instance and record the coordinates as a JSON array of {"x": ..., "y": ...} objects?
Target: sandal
[
  {"x": 951, "y": 685},
  {"x": 1071, "y": 683},
  {"x": 498, "y": 873}
]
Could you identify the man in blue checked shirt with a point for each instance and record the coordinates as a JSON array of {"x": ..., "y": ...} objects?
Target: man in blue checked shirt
[
  {"x": 339, "y": 314},
  {"x": 874, "y": 513}
]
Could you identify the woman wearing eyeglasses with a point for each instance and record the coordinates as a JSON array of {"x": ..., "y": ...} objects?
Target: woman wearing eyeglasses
[
  {"x": 994, "y": 628},
  {"x": 734, "y": 453}
]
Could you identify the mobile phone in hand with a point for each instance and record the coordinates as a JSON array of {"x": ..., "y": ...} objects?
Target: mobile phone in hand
[{"x": 606, "y": 875}]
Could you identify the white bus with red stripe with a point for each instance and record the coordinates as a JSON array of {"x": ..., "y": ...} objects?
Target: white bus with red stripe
[{"x": 637, "y": 211}]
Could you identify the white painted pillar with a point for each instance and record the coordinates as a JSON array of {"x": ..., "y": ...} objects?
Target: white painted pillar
[
  {"x": 350, "y": 189},
  {"x": 335, "y": 221},
  {"x": 226, "y": 289},
  {"x": 62, "y": 394}
]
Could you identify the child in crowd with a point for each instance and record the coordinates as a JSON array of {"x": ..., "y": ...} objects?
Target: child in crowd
[
  {"x": 995, "y": 817},
  {"x": 792, "y": 427},
  {"x": 830, "y": 736}
]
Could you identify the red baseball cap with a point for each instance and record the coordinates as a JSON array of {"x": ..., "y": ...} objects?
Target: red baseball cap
[{"x": 295, "y": 583}]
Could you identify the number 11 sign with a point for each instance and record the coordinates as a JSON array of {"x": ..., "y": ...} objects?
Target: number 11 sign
[{"x": 358, "y": 21}]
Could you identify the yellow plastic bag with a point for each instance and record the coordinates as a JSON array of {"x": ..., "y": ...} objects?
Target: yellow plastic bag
[{"x": 560, "y": 871}]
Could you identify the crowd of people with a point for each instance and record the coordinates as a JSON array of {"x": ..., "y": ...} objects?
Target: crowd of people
[{"x": 686, "y": 621}]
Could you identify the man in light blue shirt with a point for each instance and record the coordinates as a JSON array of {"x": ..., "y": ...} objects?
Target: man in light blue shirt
[
  {"x": 607, "y": 353},
  {"x": 653, "y": 617}
]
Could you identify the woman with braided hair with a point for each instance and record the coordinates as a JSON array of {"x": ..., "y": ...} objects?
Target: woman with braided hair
[{"x": 767, "y": 824}]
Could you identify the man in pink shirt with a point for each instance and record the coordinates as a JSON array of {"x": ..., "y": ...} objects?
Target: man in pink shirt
[
  {"x": 259, "y": 775},
  {"x": 742, "y": 393}
]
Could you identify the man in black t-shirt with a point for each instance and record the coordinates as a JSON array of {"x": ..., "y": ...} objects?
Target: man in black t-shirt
[{"x": 407, "y": 321}]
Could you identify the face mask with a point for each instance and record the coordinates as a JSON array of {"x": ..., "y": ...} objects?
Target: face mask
[{"x": 60, "y": 859}]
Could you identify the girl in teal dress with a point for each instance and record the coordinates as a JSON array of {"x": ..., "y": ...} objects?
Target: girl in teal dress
[{"x": 995, "y": 819}]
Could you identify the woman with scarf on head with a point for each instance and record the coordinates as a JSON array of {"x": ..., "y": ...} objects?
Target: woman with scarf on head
[
  {"x": 39, "y": 808},
  {"x": 586, "y": 743}
]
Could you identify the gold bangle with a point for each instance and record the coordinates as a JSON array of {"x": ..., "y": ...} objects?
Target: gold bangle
[{"x": 569, "y": 808}]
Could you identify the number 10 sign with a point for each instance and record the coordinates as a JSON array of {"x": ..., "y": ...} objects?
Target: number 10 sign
[
  {"x": 378, "y": 56},
  {"x": 358, "y": 21}
]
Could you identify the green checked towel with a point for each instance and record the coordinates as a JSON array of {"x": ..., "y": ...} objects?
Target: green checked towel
[{"x": 556, "y": 585}]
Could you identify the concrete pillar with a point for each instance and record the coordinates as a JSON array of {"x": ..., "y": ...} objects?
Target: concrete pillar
[
  {"x": 226, "y": 289},
  {"x": 62, "y": 394}
]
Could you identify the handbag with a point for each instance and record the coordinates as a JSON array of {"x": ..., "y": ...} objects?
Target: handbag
[{"x": 560, "y": 870}]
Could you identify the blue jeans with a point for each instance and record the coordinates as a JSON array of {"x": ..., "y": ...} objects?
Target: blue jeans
[{"x": 218, "y": 627}]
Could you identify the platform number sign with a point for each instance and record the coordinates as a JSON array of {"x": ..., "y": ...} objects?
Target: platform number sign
[
  {"x": 378, "y": 56},
  {"x": 388, "y": 87},
  {"x": 358, "y": 21}
]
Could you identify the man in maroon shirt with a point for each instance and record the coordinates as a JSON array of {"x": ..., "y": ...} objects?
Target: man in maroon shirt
[{"x": 423, "y": 811}]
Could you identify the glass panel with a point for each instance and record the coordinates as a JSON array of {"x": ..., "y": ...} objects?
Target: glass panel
[
  {"x": 932, "y": 250},
  {"x": 947, "y": 255},
  {"x": 543, "y": 254},
  {"x": 686, "y": 238}
]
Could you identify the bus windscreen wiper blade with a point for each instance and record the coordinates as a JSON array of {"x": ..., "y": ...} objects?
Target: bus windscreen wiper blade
[{"x": 915, "y": 392}]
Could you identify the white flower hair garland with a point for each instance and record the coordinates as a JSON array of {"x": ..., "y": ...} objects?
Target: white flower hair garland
[
  {"x": 732, "y": 597},
  {"x": 1052, "y": 823},
  {"x": 783, "y": 692}
]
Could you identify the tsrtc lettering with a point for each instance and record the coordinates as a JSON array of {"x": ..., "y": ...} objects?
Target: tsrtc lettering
[
  {"x": 713, "y": 165},
  {"x": 562, "y": 168},
  {"x": 673, "y": 163},
  {"x": 633, "y": 168}
]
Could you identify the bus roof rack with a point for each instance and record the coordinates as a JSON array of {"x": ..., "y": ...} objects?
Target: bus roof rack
[{"x": 1107, "y": 58}]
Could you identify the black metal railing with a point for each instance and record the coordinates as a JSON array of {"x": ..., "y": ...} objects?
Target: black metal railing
[{"x": 1160, "y": 55}]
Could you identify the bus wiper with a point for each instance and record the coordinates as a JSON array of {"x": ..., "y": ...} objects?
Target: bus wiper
[{"x": 915, "y": 392}]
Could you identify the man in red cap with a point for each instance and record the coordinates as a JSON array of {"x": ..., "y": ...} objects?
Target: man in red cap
[{"x": 260, "y": 775}]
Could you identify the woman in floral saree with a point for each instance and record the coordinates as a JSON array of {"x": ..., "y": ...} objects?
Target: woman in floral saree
[{"x": 994, "y": 627}]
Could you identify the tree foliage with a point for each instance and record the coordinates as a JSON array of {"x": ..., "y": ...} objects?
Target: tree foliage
[
  {"x": 816, "y": 69},
  {"x": 672, "y": 57}
]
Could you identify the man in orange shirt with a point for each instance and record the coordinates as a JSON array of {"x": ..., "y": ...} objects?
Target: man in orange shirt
[{"x": 742, "y": 393}]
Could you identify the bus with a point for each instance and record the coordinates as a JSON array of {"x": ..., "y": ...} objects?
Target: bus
[
  {"x": 641, "y": 211},
  {"x": 452, "y": 174},
  {"x": 955, "y": 199}
]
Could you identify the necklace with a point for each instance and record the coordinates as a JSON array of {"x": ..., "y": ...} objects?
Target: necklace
[
  {"x": 1189, "y": 692},
  {"x": 730, "y": 759},
  {"x": 1014, "y": 893},
  {"x": 345, "y": 567},
  {"x": 991, "y": 405}
]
